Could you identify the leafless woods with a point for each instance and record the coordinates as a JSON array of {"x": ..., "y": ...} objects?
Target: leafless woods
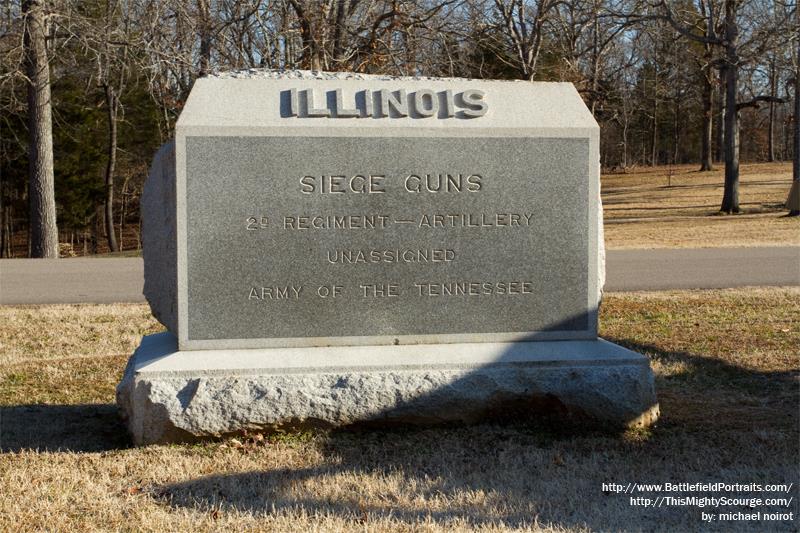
[{"x": 91, "y": 87}]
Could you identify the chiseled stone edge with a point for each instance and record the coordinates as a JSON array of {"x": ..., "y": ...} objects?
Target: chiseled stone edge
[
  {"x": 159, "y": 234},
  {"x": 161, "y": 408},
  {"x": 268, "y": 74}
]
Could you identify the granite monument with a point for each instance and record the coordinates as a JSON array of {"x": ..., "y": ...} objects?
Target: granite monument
[{"x": 338, "y": 248}]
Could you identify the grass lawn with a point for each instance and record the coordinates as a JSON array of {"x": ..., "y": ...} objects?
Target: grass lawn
[
  {"x": 678, "y": 207},
  {"x": 726, "y": 365}
]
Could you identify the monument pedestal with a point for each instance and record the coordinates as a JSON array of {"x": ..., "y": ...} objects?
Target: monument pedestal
[{"x": 167, "y": 395}]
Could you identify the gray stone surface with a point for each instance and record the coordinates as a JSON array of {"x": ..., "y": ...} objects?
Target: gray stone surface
[
  {"x": 240, "y": 156},
  {"x": 543, "y": 258},
  {"x": 159, "y": 238},
  {"x": 168, "y": 395}
]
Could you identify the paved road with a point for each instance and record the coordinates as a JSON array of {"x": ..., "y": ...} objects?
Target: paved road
[
  {"x": 704, "y": 268},
  {"x": 38, "y": 281}
]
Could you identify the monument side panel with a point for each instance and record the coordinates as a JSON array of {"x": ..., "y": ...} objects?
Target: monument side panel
[{"x": 159, "y": 238}]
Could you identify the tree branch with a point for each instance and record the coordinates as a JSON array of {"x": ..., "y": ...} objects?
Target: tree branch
[{"x": 756, "y": 101}]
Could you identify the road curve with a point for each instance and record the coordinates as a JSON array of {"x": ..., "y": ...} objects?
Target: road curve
[{"x": 90, "y": 280}]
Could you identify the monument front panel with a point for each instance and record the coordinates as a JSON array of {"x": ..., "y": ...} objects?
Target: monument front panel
[{"x": 381, "y": 239}]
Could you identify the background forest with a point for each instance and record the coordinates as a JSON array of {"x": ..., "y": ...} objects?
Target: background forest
[{"x": 102, "y": 82}]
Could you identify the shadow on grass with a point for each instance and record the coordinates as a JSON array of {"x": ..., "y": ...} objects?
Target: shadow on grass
[
  {"x": 697, "y": 440},
  {"x": 427, "y": 464},
  {"x": 702, "y": 372},
  {"x": 73, "y": 428}
]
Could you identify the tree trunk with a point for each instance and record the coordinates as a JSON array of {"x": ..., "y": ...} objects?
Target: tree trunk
[
  {"x": 706, "y": 163},
  {"x": 676, "y": 131},
  {"x": 707, "y": 134},
  {"x": 719, "y": 154},
  {"x": 3, "y": 233},
  {"x": 9, "y": 232},
  {"x": 312, "y": 50},
  {"x": 773, "y": 82},
  {"x": 204, "y": 23},
  {"x": 123, "y": 211},
  {"x": 796, "y": 156},
  {"x": 94, "y": 242},
  {"x": 339, "y": 33},
  {"x": 595, "y": 56},
  {"x": 41, "y": 194},
  {"x": 730, "y": 199},
  {"x": 654, "y": 151},
  {"x": 112, "y": 103},
  {"x": 625, "y": 141}
]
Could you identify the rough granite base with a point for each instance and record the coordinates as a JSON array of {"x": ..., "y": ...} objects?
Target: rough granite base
[{"x": 168, "y": 395}]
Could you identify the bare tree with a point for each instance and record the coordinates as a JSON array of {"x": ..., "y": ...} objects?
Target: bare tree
[
  {"x": 107, "y": 37},
  {"x": 523, "y": 23},
  {"x": 773, "y": 87},
  {"x": 710, "y": 15},
  {"x": 586, "y": 35},
  {"x": 41, "y": 182},
  {"x": 730, "y": 44},
  {"x": 205, "y": 33},
  {"x": 759, "y": 39}
]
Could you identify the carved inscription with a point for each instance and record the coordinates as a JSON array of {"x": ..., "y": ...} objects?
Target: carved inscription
[
  {"x": 385, "y": 237},
  {"x": 368, "y": 183},
  {"x": 354, "y": 257},
  {"x": 374, "y": 184},
  {"x": 385, "y": 103},
  {"x": 380, "y": 221},
  {"x": 426, "y": 289}
]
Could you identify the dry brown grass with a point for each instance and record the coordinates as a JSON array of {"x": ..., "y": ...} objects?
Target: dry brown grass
[
  {"x": 669, "y": 207},
  {"x": 727, "y": 374},
  {"x": 58, "y": 332}
]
